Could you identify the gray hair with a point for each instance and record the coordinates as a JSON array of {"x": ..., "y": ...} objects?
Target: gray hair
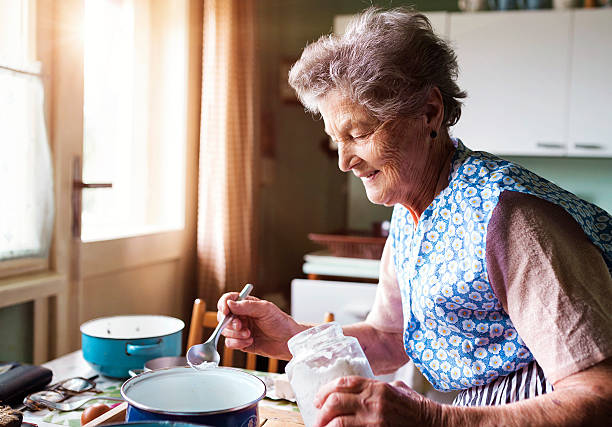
[{"x": 387, "y": 61}]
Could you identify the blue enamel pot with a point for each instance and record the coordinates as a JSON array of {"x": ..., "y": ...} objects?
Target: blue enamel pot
[
  {"x": 115, "y": 345},
  {"x": 220, "y": 397}
]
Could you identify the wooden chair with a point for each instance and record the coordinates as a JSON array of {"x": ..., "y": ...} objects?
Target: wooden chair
[{"x": 200, "y": 319}]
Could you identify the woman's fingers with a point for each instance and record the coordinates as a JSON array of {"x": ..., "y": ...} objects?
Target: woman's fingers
[
  {"x": 347, "y": 421},
  {"x": 222, "y": 306},
  {"x": 340, "y": 385},
  {"x": 260, "y": 326},
  {"x": 356, "y": 401},
  {"x": 338, "y": 405},
  {"x": 239, "y": 344},
  {"x": 222, "y": 309},
  {"x": 237, "y": 324},
  {"x": 238, "y": 333},
  {"x": 254, "y": 308}
]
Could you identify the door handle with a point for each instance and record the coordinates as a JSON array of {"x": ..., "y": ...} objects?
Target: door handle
[
  {"x": 80, "y": 184},
  {"x": 588, "y": 146},
  {"x": 549, "y": 145},
  {"x": 77, "y": 197}
]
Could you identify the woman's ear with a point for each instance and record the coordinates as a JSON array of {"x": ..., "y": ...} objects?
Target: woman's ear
[{"x": 433, "y": 114}]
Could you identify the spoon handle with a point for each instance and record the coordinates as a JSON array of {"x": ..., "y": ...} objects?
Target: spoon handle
[{"x": 221, "y": 325}]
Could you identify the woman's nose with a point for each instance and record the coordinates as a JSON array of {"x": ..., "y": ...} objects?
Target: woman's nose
[{"x": 347, "y": 160}]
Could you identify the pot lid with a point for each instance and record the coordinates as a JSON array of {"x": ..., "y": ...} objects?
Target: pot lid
[
  {"x": 132, "y": 327},
  {"x": 186, "y": 391}
]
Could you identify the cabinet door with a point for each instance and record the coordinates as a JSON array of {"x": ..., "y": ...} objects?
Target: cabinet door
[
  {"x": 514, "y": 67},
  {"x": 350, "y": 302},
  {"x": 590, "y": 130},
  {"x": 439, "y": 22}
]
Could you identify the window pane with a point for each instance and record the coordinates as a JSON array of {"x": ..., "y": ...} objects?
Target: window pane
[
  {"x": 26, "y": 179},
  {"x": 134, "y": 107},
  {"x": 17, "y": 41}
]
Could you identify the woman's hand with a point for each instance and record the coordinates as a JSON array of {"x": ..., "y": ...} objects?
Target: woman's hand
[
  {"x": 261, "y": 327},
  {"x": 357, "y": 401}
]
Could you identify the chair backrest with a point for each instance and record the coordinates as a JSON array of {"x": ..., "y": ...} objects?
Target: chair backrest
[
  {"x": 329, "y": 317},
  {"x": 200, "y": 319}
]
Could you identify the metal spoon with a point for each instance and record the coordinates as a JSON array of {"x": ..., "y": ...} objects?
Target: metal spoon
[
  {"x": 71, "y": 406},
  {"x": 204, "y": 356}
]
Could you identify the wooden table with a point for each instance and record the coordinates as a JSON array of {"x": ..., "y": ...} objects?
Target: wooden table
[{"x": 271, "y": 413}]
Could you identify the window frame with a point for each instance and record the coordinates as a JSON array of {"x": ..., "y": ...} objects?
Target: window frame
[{"x": 44, "y": 281}]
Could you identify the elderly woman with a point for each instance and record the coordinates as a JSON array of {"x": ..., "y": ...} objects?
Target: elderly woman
[{"x": 494, "y": 281}]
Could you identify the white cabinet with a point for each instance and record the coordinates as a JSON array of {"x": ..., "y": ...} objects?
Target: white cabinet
[
  {"x": 590, "y": 124},
  {"x": 514, "y": 67},
  {"x": 539, "y": 81},
  {"x": 349, "y": 301},
  {"x": 439, "y": 22}
]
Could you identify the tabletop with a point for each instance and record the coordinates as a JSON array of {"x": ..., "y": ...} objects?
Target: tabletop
[{"x": 272, "y": 413}]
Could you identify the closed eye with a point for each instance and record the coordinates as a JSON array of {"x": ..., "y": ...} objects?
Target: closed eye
[{"x": 362, "y": 136}]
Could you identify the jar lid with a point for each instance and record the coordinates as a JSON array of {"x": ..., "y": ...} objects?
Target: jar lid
[{"x": 314, "y": 337}]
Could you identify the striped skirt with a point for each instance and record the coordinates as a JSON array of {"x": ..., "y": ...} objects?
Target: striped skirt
[{"x": 523, "y": 384}]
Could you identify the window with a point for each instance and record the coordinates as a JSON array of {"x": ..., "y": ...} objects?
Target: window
[
  {"x": 17, "y": 33},
  {"x": 135, "y": 109},
  {"x": 26, "y": 179}
]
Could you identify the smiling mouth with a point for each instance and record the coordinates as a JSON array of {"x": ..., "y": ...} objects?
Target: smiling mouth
[{"x": 372, "y": 175}]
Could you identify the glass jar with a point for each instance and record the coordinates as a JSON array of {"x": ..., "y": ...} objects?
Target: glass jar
[{"x": 320, "y": 355}]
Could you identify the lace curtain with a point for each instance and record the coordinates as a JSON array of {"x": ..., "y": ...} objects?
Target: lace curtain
[{"x": 26, "y": 177}]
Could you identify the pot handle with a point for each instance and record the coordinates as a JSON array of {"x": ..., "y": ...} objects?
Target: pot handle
[
  {"x": 143, "y": 349},
  {"x": 134, "y": 372}
]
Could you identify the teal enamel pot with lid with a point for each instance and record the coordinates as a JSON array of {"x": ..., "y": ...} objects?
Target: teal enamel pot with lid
[{"x": 115, "y": 345}]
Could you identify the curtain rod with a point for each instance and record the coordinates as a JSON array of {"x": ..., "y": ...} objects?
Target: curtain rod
[{"x": 15, "y": 70}]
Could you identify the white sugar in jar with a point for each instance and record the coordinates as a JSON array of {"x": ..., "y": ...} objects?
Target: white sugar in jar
[{"x": 320, "y": 355}]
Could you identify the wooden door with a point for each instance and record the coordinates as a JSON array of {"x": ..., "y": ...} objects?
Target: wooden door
[{"x": 147, "y": 270}]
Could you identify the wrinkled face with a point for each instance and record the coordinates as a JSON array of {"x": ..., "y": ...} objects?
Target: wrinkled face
[{"x": 388, "y": 157}]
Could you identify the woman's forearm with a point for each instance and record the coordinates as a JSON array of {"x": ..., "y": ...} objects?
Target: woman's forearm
[
  {"x": 559, "y": 408},
  {"x": 582, "y": 399},
  {"x": 384, "y": 350}
]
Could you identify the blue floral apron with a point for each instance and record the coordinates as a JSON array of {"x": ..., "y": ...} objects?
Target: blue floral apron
[{"x": 455, "y": 329}]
